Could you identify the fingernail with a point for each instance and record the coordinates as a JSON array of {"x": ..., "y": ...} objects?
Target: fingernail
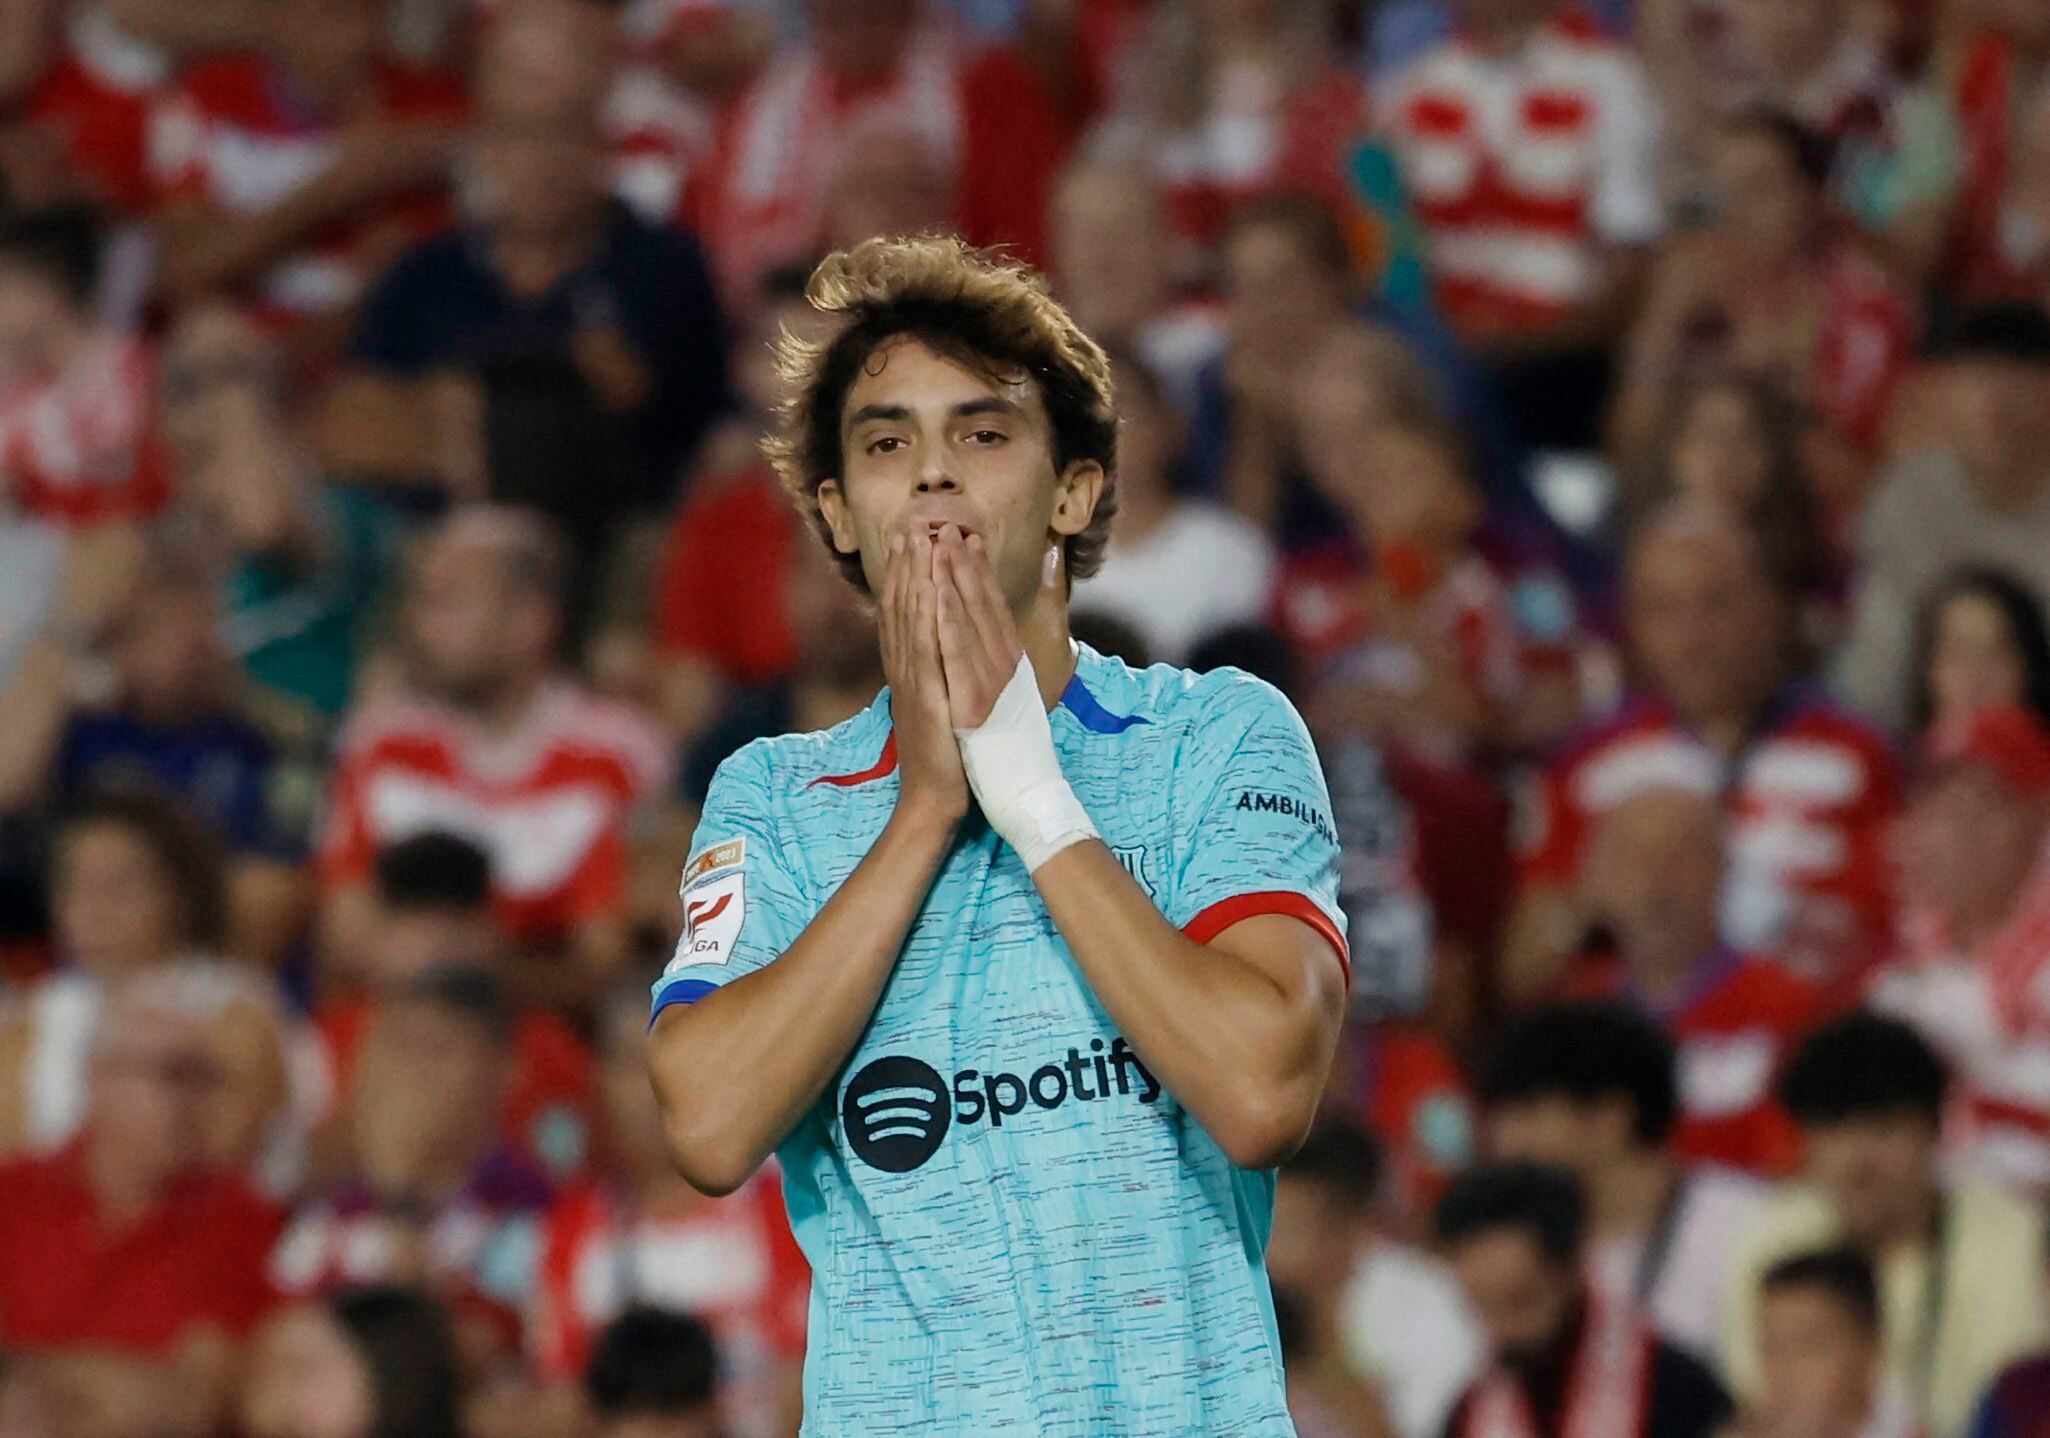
[{"x": 896, "y": 543}]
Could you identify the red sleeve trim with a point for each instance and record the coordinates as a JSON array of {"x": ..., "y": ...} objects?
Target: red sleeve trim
[{"x": 1226, "y": 912}]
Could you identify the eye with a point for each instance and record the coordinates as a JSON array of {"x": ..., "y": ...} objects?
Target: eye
[
  {"x": 987, "y": 437},
  {"x": 888, "y": 444}
]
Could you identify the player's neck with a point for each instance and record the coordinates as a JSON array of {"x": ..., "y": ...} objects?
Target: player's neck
[{"x": 1043, "y": 630}]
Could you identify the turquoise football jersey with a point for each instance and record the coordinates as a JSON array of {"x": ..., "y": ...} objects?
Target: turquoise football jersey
[{"x": 1012, "y": 1226}]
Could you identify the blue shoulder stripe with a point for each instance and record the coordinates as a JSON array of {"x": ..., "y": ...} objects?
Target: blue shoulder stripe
[{"x": 1093, "y": 716}]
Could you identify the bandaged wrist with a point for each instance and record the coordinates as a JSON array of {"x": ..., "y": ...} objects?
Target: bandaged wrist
[{"x": 1016, "y": 776}]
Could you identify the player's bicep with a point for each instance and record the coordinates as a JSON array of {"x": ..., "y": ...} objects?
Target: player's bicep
[
  {"x": 742, "y": 903},
  {"x": 1296, "y": 957}
]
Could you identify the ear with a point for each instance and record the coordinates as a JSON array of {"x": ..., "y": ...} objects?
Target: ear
[
  {"x": 1074, "y": 500},
  {"x": 832, "y": 499}
]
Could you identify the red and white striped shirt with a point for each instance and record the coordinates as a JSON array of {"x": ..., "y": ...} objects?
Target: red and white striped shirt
[
  {"x": 82, "y": 448},
  {"x": 1810, "y": 801},
  {"x": 549, "y": 802},
  {"x": 1523, "y": 166},
  {"x": 97, "y": 100},
  {"x": 231, "y": 137}
]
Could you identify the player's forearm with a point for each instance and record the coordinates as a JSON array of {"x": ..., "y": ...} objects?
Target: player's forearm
[
  {"x": 1241, "y": 1032},
  {"x": 736, "y": 1070}
]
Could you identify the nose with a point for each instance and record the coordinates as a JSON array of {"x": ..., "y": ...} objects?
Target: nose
[{"x": 934, "y": 475}]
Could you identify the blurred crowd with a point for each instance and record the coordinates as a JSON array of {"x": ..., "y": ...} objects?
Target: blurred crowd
[{"x": 1623, "y": 428}]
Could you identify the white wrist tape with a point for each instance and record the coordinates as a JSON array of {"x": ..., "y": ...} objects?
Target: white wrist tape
[{"x": 1016, "y": 775}]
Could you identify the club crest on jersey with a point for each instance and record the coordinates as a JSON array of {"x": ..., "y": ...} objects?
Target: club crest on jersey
[{"x": 1133, "y": 857}]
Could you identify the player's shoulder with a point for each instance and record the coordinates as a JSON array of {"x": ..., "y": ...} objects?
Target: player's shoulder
[
  {"x": 775, "y": 769},
  {"x": 1110, "y": 695}
]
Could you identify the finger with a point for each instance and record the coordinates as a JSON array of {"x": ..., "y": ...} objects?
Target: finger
[
  {"x": 964, "y": 642},
  {"x": 924, "y": 640},
  {"x": 890, "y": 604},
  {"x": 986, "y": 602},
  {"x": 958, "y": 645}
]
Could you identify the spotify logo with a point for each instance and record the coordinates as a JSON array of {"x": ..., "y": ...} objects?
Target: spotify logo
[{"x": 895, "y": 1112}]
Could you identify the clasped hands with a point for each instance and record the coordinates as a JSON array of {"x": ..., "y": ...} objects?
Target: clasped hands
[{"x": 964, "y": 698}]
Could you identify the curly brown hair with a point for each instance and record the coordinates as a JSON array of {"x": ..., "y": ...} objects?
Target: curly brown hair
[{"x": 988, "y": 314}]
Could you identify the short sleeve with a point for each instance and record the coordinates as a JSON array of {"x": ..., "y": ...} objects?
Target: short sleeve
[
  {"x": 742, "y": 904},
  {"x": 1253, "y": 830}
]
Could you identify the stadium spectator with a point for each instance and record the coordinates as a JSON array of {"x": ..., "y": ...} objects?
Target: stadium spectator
[
  {"x": 1562, "y": 1358},
  {"x": 637, "y": 1234},
  {"x": 1958, "y": 1264},
  {"x": 130, "y": 1269},
  {"x": 1224, "y": 103},
  {"x": 1708, "y": 629},
  {"x": 1652, "y": 884},
  {"x": 85, "y": 86},
  {"x": 433, "y": 1196},
  {"x": 1289, "y": 284},
  {"x": 289, "y": 175},
  {"x": 78, "y": 404},
  {"x": 1767, "y": 287},
  {"x": 1981, "y": 497},
  {"x": 839, "y": 669},
  {"x": 1410, "y": 626},
  {"x": 2020, "y": 267},
  {"x": 302, "y": 560},
  {"x": 722, "y": 620},
  {"x": 1526, "y": 143},
  {"x": 2018, "y": 1402},
  {"x": 136, "y": 883},
  {"x": 431, "y": 897},
  {"x": 985, "y": 116},
  {"x": 1385, "y": 1333},
  {"x": 655, "y": 1375},
  {"x": 495, "y": 744},
  {"x": 1733, "y": 438},
  {"x": 1989, "y": 68},
  {"x": 1591, "y": 1087},
  {"x": 553, "y": 351},
  {"x": 1820, "y": 1338},
  {"x": 1976, "y": 839},
  {"x": 1119, "y": 269},
  {"x": 1163, "y": 537},
  {"x": 1980, "y": 643},
  {"x": 363, "y": 1363},
  {"x": 169, "y": 708}
]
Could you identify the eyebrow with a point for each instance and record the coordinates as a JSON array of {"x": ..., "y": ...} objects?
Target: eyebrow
[
  {"x": 897, "y": 413},
  {"x": 868, "y": 412}
]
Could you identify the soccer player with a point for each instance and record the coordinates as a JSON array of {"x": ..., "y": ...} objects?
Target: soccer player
[{"x": 1029, "y": 973}]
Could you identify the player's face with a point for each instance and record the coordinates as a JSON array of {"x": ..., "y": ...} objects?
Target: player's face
[{"x": 927, "y": 442}]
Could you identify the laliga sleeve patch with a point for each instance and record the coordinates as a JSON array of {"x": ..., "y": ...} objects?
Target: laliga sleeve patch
[{"x": 712, "y": 914}]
